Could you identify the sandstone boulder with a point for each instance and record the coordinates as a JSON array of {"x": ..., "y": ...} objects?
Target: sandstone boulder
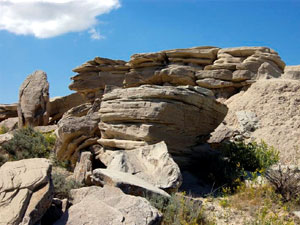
[
  {"x": 83, "y": 168},
  {"x": 108, "y": 206},
  {"x": 10, "y": 124},
  {"x": 77, "y": 133},
  {"x": 26, "y": 191},
  {"x": 33, "y": 107},
  {"x": 180, "y": 116},
  {"x": 127, "y": 182},
  {"x": 151, "y": 163}
]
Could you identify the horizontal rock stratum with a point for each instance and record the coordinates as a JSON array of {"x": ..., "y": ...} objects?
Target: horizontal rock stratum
[
  {"x": 181, "y": 116},
  {"x": 225, "y": 71}
]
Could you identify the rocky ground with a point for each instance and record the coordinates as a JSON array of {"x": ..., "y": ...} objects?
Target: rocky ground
[{"x": 145, "y": 129}]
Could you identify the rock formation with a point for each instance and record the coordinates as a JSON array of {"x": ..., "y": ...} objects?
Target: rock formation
[
  {"x": 8, "y": 111},
  {"x": 108, "y": 205},
  {"x": 25, "y": 191},
  {"x": 151, "y": 163},
  {"x": 60, "y": 105},
  {"x": 181, "y": 116},
  {"x": 275, "y": 104},
  {"x": 77, "y": 133},
  {"x": 33, "y": 107},
  {"x": 291, "y": 72},
  {"x": 225, "y": 71}
]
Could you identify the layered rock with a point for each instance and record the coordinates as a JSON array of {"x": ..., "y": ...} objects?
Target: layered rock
[
  {"x": 60, "y": 105},
  {"x": 77, "y": 133},
  {"x": 151, "y": 163},
  {"x": 8, "y": 111},
  {"x": 10, "y": 124},
  {"x": 26, "y": 191},
  {"x": 33, "y": 107},
  {"x": 95, "y": 74},
  {"x": 268, "y": 110},
  {"x": 225, "y": 71},
  {"x": 108, "y": 205},
  {"x": 180, "y": 116}
]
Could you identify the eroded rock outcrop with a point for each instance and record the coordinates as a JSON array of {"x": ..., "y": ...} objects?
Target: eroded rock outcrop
[
  {"x": 26, "y": 191},
  {"x": 108, "y": 206},
  {"x": 33, "y": 107},
  {"x": 225, "y": 71},
  {"x": 77, "y": 133},
  {"x": 8, "y": 111},
  {"x": 95, "y": 74},
  {"x": 272, "y": 108},
  {"x": 60, "y": 105},
  {"x": 151, "y": 163},
  {"x": 180, "y": 116}
]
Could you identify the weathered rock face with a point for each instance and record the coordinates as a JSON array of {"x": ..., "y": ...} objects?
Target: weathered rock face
[
  {"x": 180, "y": 116},
  {"x": 60, "y": 105},
  {"x": 108, "y": 206},
  {"x": 77, "y": 133},
  {"x": 26, "y": 191},
  {"x": 33, "y": 108},
  {"x": 151, "y": 163},
  {"x": 83, "y": 168},
  {"x": 8, "y": 111},
  {"x": 225, "y": 71},
  {"x": 292, "y": 72},
  {"x": 268, "y": 110},
  {"x": 127, "y": 182},
  {"x": 95, "y": 74}
]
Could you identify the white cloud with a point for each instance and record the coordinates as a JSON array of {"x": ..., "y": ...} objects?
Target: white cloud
[
  {"x": 95, "y": 34},
  {"x": 49, "y": 18}
]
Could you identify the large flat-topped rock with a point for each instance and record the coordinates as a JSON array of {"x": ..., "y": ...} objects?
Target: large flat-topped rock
[
  {"x": 180, "y": 116},
  {"x": 292, "y": 72}
]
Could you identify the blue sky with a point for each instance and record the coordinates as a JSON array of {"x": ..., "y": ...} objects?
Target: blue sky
[{"x": 134, "y": 26}]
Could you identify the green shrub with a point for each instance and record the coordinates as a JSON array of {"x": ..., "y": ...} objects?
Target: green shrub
[
  {"x": 250, "y": 157},
  {"x": 63, "y": 186},
  {"x": 179, "y": 210},
  {"x": 3, "y": 130},
  {"x": 229, "y": 165},
  {"x": 27, "y": 143}
]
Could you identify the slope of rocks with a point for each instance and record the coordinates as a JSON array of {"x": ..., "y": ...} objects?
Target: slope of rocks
[{"x": 274, "y": 109}]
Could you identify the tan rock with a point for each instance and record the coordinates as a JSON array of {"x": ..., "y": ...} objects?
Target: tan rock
[
  {"x": 267, "y": 71},
  {"x": 242, "y": 75},
  {"x": 25, "y": 191},
  {"x": 178, "y": 75},
  {"x": 46, "y": 129},
  {"x": 109, "y": 206},
  {"x": 33, "y": 108},
  {"x": 221, "y": 74},
  {"x": 127, "y": 182},
  {"x": 177, "y": 115},
  {"x": 276, "y": 104},
  {"x": 139, "y": 76},
  {"x": 204, "y": 52},
  {"x": 8, "y": 111},
  {"x": 151, "y": 163},
  {"x": 76, "y": 133},
  {"x": 147, "y": 60},
  {"x": 291, "y": 72},
  {"x": 83, "y": 167},
  {"x": 60, "y": 105},
  {"x": 10, "y": 123},
  {"x": 214, "y": 83},
  {"x": 243, "y": 51}
]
